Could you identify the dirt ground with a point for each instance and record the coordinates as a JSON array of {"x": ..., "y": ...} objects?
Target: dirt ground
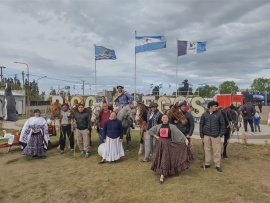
[{"x": 65, "y": 178}]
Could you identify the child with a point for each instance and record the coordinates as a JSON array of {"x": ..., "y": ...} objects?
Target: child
[{"x": 257, "y": 120}]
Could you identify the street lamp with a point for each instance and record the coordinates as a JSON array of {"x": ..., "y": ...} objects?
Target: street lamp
[
  {"x": 37, "y": 87},
  {"x": 28, "y": 87},
  {"x": 2, "y": 74}
]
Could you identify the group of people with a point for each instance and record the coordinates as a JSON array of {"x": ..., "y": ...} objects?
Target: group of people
[{"x": 167, "y": 143}]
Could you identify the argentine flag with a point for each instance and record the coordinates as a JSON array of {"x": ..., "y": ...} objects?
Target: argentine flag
[
  {"x": 160, "y": 86},
  {"x": 170, "y": 86},
  {"x": 181, "y": 85},
  {"x": 188, "y": 47},
  {"x": 151, "y": 85},
  {"x": 201, "y": 85},
  {"x": 190, "y": 85},
  {"x": 149, "y": 43}
]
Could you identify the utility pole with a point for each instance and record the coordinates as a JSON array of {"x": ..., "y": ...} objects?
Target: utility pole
[
  {"x": 23, "y": 80},
  {"x": 83, "y": 88},
  {"x": 15, "y": 81},
  {"x": 2, "y": 74}
]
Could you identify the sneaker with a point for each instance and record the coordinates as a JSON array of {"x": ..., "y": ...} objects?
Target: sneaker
[
  {"x": 82, "y": 153},
  {"x": 71, "y": 150},
  {"x": 219, "y": 169},
  {"x": 102, "y": 161},
  {"x": 62, "y": 152},
  {"x": 86, "y": 155}
]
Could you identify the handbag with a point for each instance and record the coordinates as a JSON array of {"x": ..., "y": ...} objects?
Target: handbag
[{"x": 256, "y": 115}]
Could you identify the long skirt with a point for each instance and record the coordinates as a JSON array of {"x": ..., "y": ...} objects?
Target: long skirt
[
  {"x": 113, "y": 149},
  {"x": 170, "y": 158},
  {"x": 34, "y": 146}
]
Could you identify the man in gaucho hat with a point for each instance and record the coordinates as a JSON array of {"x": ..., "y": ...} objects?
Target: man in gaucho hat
[{"x": 122, "y": 101}]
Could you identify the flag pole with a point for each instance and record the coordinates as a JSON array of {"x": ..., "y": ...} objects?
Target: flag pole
[
  {"x": 95, "y": 71},
  {"x": 135, "y": 69},
  {"x": 176, "y": 67}
]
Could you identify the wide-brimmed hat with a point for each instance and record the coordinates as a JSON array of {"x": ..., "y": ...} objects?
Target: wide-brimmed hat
[
  {"x": 212, "y": 103},
  {"x": 182, "y": 103},
  {"x": 119, "y": 86},
  {"x": 153, "y": 105}
]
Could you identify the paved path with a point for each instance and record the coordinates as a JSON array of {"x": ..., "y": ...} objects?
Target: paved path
[{"x": 257, "y": 138}]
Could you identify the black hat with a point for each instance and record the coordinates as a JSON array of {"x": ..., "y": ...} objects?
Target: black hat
[
  {"x": 212, "y": 103},
  {"x": 65, "y": 104},
  {"x": 119, "y": 86},
  {"x": 153, "y": 105},
  {"x": 182, "y": 103}
]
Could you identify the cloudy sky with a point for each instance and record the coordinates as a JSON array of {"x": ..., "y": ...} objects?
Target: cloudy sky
[{"x": 56, "y": 39}]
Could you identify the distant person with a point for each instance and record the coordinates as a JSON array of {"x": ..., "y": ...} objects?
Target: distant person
[
  {"x": 103, "y": 99},
  {"x": 248, "y": 112},
  {"x": 113, "y": 138},
  {"x": 34, "y": 136},
  {"x": 212, "y": 128},
  {"x": 268, "y": 121},
  {"x": 257, "y": 120},
  {"x": 260, "y": 106}
]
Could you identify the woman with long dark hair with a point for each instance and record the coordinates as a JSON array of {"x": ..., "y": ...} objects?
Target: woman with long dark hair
[{"x": 171, "y": 155}]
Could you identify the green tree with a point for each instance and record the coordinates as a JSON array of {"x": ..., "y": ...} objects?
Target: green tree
[
  {"x": 261, "y": 84},
  {"x": 155, "y": 90},
  {"x": 228, "y": 87},
  {"x": 185, "y": 90},
  {"x": 53, "y": 92},
  {"x": 207, "y": 91},
  {"x": 114, "y": 91}
]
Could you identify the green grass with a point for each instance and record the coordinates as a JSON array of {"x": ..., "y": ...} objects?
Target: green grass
[{"x": 65, "y": 178}]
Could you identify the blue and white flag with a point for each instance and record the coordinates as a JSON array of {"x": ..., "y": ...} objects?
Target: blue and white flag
[
  {"x": 190, "y": 85},
  {"x": 149, "y": 43},
  {"x": 187, "y": 47},
  {"x": 104, "y": 53},
  {"x": 170, "y": 86},
  {"x": 201, "y": 85},
  {"x": 181, "y": 85},
  {"x": 151, "y": 85},
  {"x": 160, "y": 86},
  {"x": 74, "y": 87}
]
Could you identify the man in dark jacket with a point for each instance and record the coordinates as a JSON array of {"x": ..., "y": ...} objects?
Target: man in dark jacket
[
  {"x": 153, "y": 118},
  {"x": 248, "y": 112},
  {"x": 212, "y": 128},
  {"x": 188, "y": 128},
  {"x": 83, "y": 128}
]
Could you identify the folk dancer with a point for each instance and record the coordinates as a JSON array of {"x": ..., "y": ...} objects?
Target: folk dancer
[{"x": 34, "y": 136}]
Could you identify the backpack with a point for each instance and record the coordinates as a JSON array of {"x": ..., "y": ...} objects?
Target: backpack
[{"x": 244, "y": 111}]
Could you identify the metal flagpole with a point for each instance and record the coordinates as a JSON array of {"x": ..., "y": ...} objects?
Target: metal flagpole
[
  {"x": 95, "y": 71},
  {"x": 176, "y": 67},
  {"x": 135, "y": 69}
]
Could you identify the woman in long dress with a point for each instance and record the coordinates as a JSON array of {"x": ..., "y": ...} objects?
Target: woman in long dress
[
  {"x": 34, "y": 136},
  {"x": 113, "y": 138},
  {"x": 171, "y": 155}
]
